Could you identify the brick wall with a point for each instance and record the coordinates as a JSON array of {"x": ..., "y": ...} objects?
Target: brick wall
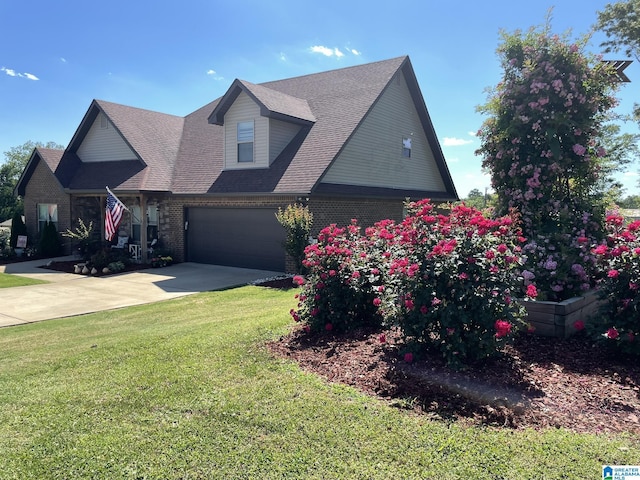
[
  {"x": 43, "y": 187},
  {"x": 328, "y": 210}
]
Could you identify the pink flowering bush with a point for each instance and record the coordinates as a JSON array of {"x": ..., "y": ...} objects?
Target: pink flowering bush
[
  {"x": 541, "y": 146},
  {"x": 457, "y": 278},
  {"x": 340, "y": 290},
  {"x": 617, "y": 322}
]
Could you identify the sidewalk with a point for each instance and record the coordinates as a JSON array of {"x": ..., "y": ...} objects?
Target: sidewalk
[{"x": 69, "y": 294}]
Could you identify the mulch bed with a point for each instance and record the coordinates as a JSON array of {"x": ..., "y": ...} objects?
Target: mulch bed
[
  {"x": 68, "y": 267},
  {"x": 536, "y": 383}
]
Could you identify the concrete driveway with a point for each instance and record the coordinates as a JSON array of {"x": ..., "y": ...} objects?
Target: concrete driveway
[{"x": 70, "y": 294}]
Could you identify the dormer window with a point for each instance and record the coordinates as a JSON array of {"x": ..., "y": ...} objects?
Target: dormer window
[{"x": 245, "y": 141}]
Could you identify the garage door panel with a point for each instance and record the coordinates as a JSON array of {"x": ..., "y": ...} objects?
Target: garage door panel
[{"x": 241, "y": 237}]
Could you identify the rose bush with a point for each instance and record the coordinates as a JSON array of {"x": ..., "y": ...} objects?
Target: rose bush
[
  {"x": 458, "y": 277},
  {"x": 339, "y": 290},
  {"x": 447, "y": 280},
  {"x": 617, "y": 322}
]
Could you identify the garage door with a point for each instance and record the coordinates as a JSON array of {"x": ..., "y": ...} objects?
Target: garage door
[{"x": 238, "y": 237}]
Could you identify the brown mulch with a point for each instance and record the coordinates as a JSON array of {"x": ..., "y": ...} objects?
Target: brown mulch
[
  {"x": 537, "y": 382},
  {"x": 68, "y": 267}
]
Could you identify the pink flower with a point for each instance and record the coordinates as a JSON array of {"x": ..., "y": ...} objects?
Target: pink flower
[
  {"x": 314, "y": 312},
  {"x": 530, "y": 328},
  {"x": 424, "y": 310},
  {"x": 408, "y": 357},
  {"x": 409, "y": 304},
  {"x": 613, "y": 273},
  {"x": 532, "y": 291},
  {"x": 612, "y": 333},
  {"x": 382, "y": 338},
  {"x": 631, "y": 336},
  {"x": 299, "y": 280},
  {"x": 306, "y": 328},
  {"x": 355, "y": 274},
  {"x": 503, "y": 328},
  {"x": 377, "y": 302},
  {"x": 451, "y": 331},
  {"x": 578, "y": 325},
  {"x": 600, "y": 250},
  {"x": 328, "y": 327},
  {"x": 579, "y": 149},
  {"x": 502, "y": 248}
]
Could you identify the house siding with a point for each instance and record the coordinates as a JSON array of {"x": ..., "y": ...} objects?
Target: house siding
[
  {"x": 104, "y": 144},
  {"x": 373, "y": 156},
  {"x": 44, "y": 188},
  {"x": 280, "y": 134},
  {"x": 244, "y": 109}
]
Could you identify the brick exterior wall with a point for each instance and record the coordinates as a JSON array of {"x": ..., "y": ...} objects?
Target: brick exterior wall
[
  {"x": 340, "y": 210},
  {"x": 43, "y": 187}
]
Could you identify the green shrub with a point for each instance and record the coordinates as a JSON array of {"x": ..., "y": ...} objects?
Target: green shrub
[
  {"x": 17, "y": 228},
  {"x": 296, "y": 220},
  {"x": 49, "y": 245},
  {"x": 83, "y": 238}
]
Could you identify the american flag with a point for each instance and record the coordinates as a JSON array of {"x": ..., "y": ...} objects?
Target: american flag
[{"x": 113, "y": 215}]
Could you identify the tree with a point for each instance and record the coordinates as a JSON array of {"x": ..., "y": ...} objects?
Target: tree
[
  {"x": 620, "y": 21},
  {"x": 542, "y": 146},
  {"x": 15, "y": 161}
]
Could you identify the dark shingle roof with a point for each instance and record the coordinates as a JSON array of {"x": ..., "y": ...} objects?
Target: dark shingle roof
[{"x": 185, "y": 155}]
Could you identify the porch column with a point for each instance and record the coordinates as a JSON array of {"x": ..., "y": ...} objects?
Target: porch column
[{"x": 143, "y": 227}]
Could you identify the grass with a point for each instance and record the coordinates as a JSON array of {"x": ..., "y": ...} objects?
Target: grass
[
  {"x": 186, "y": 389},
  {"x": 7, "y": 281}
]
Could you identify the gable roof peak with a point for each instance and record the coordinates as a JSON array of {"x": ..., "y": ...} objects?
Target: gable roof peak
[{"x": 273, "y": 104}]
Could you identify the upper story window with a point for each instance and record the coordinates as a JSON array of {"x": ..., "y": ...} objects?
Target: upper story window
[
  {"x": 406, "y": 147},
  {"x": 47, "y": 212},
  {"x": 245, "y": 141}
]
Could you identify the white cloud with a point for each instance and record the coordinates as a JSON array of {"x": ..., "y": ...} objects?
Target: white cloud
[
  {"x": 473, "y": 134},
  {"x": 13, "y": 73},
  {"x": 63, "y": 60},
  {"x": 455, "y": 142},
  {"x": 283, "y": 57},
  {"x": 211, "y": 72},
  {"x": 453, "y": 160},
  {"x": 356, "y": 52},
  {"x": 326, "y": 51},
  {"x": 631, "y": 174}
]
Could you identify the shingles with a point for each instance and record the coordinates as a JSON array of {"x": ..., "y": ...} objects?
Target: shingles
[
  {"x": 154, "y": 136},
  {"x": 280, "y": 103},
  {"x": 184, "y": 155},
  {"x": 338, "y": 100}
]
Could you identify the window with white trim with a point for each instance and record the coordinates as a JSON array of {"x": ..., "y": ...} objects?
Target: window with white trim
[
  {"x": 406, "y": 147},
  {"x": 47, "y": 212},
  {"x": 245, "y": 141}
]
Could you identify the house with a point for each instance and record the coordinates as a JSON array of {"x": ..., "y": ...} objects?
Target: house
[{"x": 349, "y": 143}]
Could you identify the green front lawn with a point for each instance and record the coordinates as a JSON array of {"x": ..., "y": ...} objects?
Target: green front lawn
[
  {"x": 7, "y": 281},
  {"x": 186, "y": 389}
]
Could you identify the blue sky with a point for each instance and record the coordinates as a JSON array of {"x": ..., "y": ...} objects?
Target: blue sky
[{"x": 174, "y": 57}]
